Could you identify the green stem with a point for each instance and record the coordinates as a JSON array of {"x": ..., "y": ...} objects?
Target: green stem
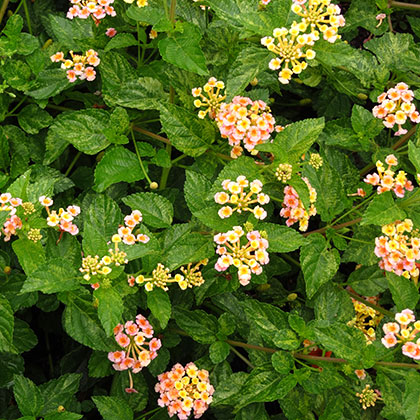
[
  {"x": 73, "y": 162},
  {"x": 139, "y": 49},
  {"x": 352, "y": 210},
  {"x": 3, "y": 9},
  {"x": 28, "y": 18},
  {"x": 165, "y": 5},
  {"x": 178, "y": 158},
  {"x": 402, "y": 5},
  {"x": 59, "y": 108},
  {"x": 287, "y": 257},
  {"x": 354, "y": 240},
  {"x": 139, "y": 157},
  {"x": 338, "y": 227},
  {"x": 242, "y": 357},
  {"x": 16, "y": 107},
  {"x": 172, "y": 12},
  {"x": 148, "y": 413}
]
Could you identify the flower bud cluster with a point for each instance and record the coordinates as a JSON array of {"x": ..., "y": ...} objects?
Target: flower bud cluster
[
  {"x": 138, "y": 348},
  {"x": 316, "y": 161},
  {"x": 247, "y": 258},
  {"x": 242, "y": 196},
  {"x": 34, "y": 235},
  {"x": 386, "y": 180},
  {"x": 211, "y": 102},
  {"x": 397, "y": 250},
  {"x": 79, "y": 66},
  {"x": 396, "y": 107},
  {"x": 293, "y": 208},
  {"x": 402, "y": 332},
  {"x": 185, "y": 391},
  {"x": 98, "y": 9},
  {"x": 245, "y": 120},
  {"x": 284, "y": 172},
  {"x": 368, "y": 397},
  {"x": 13, "y": 222},
  {"x": 63, "y": 219}
]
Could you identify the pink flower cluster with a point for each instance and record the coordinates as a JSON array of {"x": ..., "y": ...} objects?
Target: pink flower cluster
[
  {"x": 136, "y": 352},
  {"x": 247, "y": 258},
  {"x": 126, "y": 232},
  {"x": 402, "y": 332},
  {"x": 98, "y": 9},
  {"x": 385, "y": 180},
  {"x": 185, "y": 390},
  {"x": 398, "y": 251},
  {"x": 293, "y": 208},
  {"x": 245, "y": 120},
  {"x": 396, "y": 107},
  {"x": 63, "y": 219},
  {"x": 13, "y": 223},
  {"x": 81, "y": 66}
]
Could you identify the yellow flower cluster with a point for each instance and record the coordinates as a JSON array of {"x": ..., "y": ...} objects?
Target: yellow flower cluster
[
  {"x": 368, "y": 397},
  {"x": 161, "y": 277},
  {"x": 140, "y": 3},
  {"x": 213, "y": 99}
]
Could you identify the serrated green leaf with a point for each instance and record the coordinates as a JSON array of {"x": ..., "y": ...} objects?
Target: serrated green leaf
[
  {"x": 361, "y": 252},
  {"x": 414, "y": 155},
  {"x": 183, "y": 49},
  {"x": 99, "y": 365},
  {"x": 121, "y": 41},
  {"x": 159, "y": 304},
  {"x": 382, "y": 210},
  {"x": 282, "y": 238},
  {"x": 117, "y": 165},
  {"x": 411, "y": 401},
  {"x": 404, "y": 292},
  {"x": 6, "y": 326},
  {"x": 28, "y": 396},
  {"x": 113, "y": 408},
  {"x": 65, "y": 415},
  {"x": 286, "y": 339},
  {"x": 368, "y": 281},
  {"x": 185, "y": 130},
  {"x": 31, "y": 255},
  {"x": 318, "y": 263},
  {"x": 110, "y": 307},
  {"x": 282, "y": 362},
  {"x": 49, "y": 82},
  {"x": 364, "y": 123},
  {"x": 333, "y": 304},
  {"x": 219, "y": 351},
  {"x": 157, "y": 210},
  {"x": 24, "y": 339},
  {"x": 32, "y": 119}
]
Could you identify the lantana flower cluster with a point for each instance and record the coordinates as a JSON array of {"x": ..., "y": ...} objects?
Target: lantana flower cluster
[
  {"x": 161, "y": 277},
  {"x": 63, "y": 219},
  {"x": 386, "y": 180},
  {"x": 185, "y": 391},
  {"x": 139, "y": 3},
  {"x": 293, "y": 208},
  {"x": 79, "y": 66},
  {"x": 247, "y": 121},
  {"x": 406, "y": 331},
  {"x": 94, "y": 266},
  {"x": 368, "y": 397},
  {"x": 396, "y": 107},
  {"x": 13, "y": 222},
  {"x": 248, "y": 258},
  {"x": 138, "y": 348},
  {"x": 98, "y": 9},
  {"x": 399, "y": 251},
  {"x": 211, "y": 100},
  {"x": 242, "y": 196}
]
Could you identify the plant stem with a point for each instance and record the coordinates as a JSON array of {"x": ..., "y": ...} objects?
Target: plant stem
[
  {"x": 243, "y": 358},
  {"x": 352, "y": 210},
  {"x": 148, "y": 413},
  {"x": 150, "y": 134},
  {"x": 15, "y": 108},
  {"x": 28, "y": 18},
  {"x": 3, "y": 9},
  {"x": 354, "y": 240},
  {"x": 139, "y": 49},
  {"x": 139, "y": 157},
  {"x": 73, "y": 162},
  {"x": 287, "y": 257},
  {"x": 402, "y": 5},
  {"x": 337, "y": 227}
]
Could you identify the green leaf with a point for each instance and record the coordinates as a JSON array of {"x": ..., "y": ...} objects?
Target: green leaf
[
  {"x": 159, "y": 304},
  {"x": 364, "y": 123},
  {"x": 101, "y": 221},
  {"x": 121, "y": 41},
  {"x": 186, "y": 131},
  {"x": 282, "y": 362},
  {"x": 157, "y": 211},
  {"x": 24, "y": 339},
  {"x": 368, "y": 281},
  {"x": 31, "y": 255},
  {"x": 99, "y": 365},
  {"x": 6, "y": 326},
  {"x": 4, "y": 150},
  {"x": 318, "y": 263},
  {"x": 404, "y": 292},
  {"x": 82, "y": 324},
  {"x": 219, "y": 351},
  {"x": 183, "y": 49},
  {"x": 282, "y": 238},
  {"x": 151, "y": 14},
  {"x": 202, "y": 327},
  {"x": 56, "y": 275},
  {"x": 27, "y": 395},
  {"x": 110, "y": 307},
  {"x": 113, "y": 408},
  {"x": 391, "y": 382},
  {"x": 82, "y": 129},
  {"x": 382, "y": 210},
  {"x": 361, "y": 252},
  {"x": 411, "y": 401},
  {"x": 286, "y": 339},
  {"x": 65, "y": 415},
  {"x": 333, "y": 304},
  {"x": 117, "y": 165},
  {"x": 49, "y": 82},
  {"x": 414, "y": 155},
  {"x": 32, "y": 119},
  {"x": 253, "y": 411}
]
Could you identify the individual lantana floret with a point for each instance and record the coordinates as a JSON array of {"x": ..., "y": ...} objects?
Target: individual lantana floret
[
  {"x": 289, "y": 48},
  {"x": 212, "y": 101},
  {"x": 247, "y": 258},
  {"x": 386, "y": 180},
  {"x": 380, "y": 17},
  {"x": 366, "y": 318},
  {"x": 202, "y": 6},
  {"x": 402, "y": 332},
  {"x": 98, "y": 9},
  {"x": 79, "y": 66},
  {"x": 360, "y": 373},
  {"x": 245, "y": 120},
  {"x": 139, "y": 3},
  {"x": 242, "y": 196},
  {"x": 368, "y": 397},
  {"x": 138, "y": 348},
  {"x": 185, "y": 390},
  {"x": 63, "y": 219},
  {"x": 293, "y": 208},
  {"x": 320, "y": 16},
  {"x": 399, "y": 251},
  {"x": 396, "y": 107}
]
